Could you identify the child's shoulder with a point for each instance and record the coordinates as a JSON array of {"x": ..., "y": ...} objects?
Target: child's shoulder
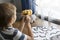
[{"x": 11, "y": 30}]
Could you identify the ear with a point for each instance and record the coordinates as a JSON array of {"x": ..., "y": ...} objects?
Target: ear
[{"x": 9, "y": 20}]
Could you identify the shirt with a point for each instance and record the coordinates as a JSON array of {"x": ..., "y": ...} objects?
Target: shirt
[{"x": 11, "y": 33}]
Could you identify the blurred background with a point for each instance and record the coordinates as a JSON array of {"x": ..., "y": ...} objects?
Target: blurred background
[{"x": 44, "y": 7}]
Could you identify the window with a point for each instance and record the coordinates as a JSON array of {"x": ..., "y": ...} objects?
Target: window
[{"x": 50, "y": 8}]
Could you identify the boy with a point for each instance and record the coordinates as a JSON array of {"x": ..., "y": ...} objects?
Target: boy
[{"x": 7, "y": 18}]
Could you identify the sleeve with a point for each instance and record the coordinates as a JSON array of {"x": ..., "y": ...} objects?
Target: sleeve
[{"x": 19, "y": 35}]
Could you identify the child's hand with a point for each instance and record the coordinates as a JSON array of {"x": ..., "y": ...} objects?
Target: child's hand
[{"x": 27, "y": 19}]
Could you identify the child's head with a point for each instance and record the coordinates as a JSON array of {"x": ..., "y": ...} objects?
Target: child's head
[{"x": 7, "y": 14}]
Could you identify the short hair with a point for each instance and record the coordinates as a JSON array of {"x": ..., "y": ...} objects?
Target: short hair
[{"x": 6, "y": 11}]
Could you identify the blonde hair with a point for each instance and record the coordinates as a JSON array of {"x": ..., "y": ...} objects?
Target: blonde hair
[{"x": 6, "y": 12}]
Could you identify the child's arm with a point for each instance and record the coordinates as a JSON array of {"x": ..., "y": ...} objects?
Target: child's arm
[
  {"x": 28, "y": 25},
  {"x": 30, "y": 33},
  {"x": 22, "y": 24}
]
